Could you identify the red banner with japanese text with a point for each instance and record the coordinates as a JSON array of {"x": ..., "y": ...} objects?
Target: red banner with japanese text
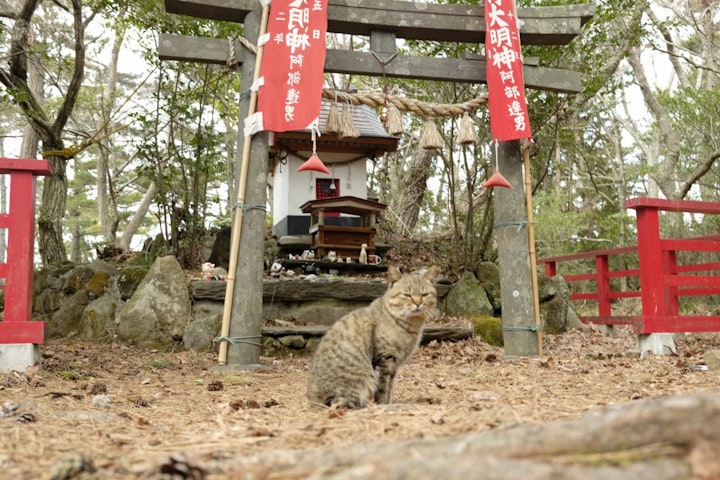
[
  {"x": 292, "y": 66},
  {"x": 506, "y": 87}
]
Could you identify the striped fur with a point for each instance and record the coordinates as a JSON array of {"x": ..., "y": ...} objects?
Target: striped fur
[{"x": 359, "y": 356}]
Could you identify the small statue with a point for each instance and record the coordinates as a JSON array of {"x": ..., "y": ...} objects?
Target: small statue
[
  {"x": 207, "y": 269},
  {"x": 276, "y": 269},
  {"x": 363, "y": 254},
  {"x": 309, "y": 269},
  {"x": 332, "y": 256}
]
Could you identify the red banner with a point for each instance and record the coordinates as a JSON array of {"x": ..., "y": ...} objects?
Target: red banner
[
  {"x": 292, "y": 66},
  {"x": 506, "y": 88}
]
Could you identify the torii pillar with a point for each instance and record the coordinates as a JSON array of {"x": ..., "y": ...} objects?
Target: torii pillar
[
  {"x": 516, "y": 288},
  {"x": 246, "y": 317}
]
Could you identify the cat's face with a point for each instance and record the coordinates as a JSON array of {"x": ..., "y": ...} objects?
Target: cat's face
[{"x": 412, "y": 294}]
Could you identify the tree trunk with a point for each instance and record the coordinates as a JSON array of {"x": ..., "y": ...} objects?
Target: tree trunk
[
  {"x": 52, "y": 211},
  {"x": 406, "y": 204},
  {"x": 134, "y": 224},
  {"x": 665, "y": 438},
  {"x": 107, "y": 208}
]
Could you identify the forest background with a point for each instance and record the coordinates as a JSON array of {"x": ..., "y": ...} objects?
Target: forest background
[{"x": 142, "y": 147}]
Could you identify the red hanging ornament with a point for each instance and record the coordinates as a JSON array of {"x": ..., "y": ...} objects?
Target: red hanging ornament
[
  {"x": 314, "y": 163},
  {"x": 496, "y": 179}
]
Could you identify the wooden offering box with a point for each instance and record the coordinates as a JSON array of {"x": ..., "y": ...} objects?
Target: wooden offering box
[{"x": 342, "y": 224}]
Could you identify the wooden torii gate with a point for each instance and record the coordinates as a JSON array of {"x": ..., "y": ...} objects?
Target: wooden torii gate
[{"x": 385, "y": 21}]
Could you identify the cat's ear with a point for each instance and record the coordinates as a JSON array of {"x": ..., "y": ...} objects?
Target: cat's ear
[
  {"x": 393, "y": 274},
  {"x": 432, "y": 272}
]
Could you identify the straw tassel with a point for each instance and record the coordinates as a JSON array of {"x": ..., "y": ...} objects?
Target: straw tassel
[
  {"x": 332, "y": 125},
  {"x": 347, "y": 126},
  {"x": 466, "y": 131},
  {"x": 430, "y": 138},
  {"x": 393, "y": 122}
]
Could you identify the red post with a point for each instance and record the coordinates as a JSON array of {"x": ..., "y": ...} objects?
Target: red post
[
  {"x": 17, "y": 325},
  {"x": 602, "y": 266},
  {"x": 550, "y": 269},
  {"x": 672, "y": 303},
  {"x": 652, "y": 267}
]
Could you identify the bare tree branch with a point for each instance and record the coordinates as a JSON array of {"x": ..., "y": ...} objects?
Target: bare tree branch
[
  {"x": 665, "y": 177},
  {"x": 73, "y": 89},
  {"x": 671, "y": 49},
  {"x": 698, "y": 173}
]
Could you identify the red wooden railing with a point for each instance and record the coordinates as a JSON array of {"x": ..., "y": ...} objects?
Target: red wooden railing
[
  {"x": 17, "y": 325},
  {"x": 662, "y": 280}
]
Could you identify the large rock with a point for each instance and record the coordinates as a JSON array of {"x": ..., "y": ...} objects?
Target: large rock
[
  {"x": 98, "y": 320},
  {"x": 555, "y": 310},
  {"x": 129, "y": 279},
  {"x": 467, "y": 298},
  {"x": 65, "y": 322},
  {"x": 159, "y": 311},
  {"x": 204, "y": 327},
  {"x": 488, "y": 275}
]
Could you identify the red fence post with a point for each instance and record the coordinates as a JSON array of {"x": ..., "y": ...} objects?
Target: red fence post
[
  {"x": 550, "y": 269},
  {"x": 651, "y": 266},
  {"x": 16, "y": 326},
  {"x": 602, "y": 267},
  {"x": 672, "y": 303}
]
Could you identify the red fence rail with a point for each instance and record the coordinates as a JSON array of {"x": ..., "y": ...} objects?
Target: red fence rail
[
  {"x": 663, "y": 281},
  {"x": 16, "y": 325}
]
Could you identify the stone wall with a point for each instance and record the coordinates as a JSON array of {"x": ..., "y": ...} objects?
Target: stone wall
[{"x": 161, "y": 308}]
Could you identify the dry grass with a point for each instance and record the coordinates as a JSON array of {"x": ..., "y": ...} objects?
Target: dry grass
[{"x": 171, "y": 404}]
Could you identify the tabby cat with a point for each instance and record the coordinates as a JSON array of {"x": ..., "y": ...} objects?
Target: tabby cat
[{"x": 359, "y": 356}]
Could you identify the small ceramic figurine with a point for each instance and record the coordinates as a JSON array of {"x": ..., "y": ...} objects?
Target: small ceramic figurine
[
  {"x": 276, "y": 269},
  {"x": 363, "y": 254},
  {"x": 207, "y": 269},
  {"x": 332, "y": 256}
]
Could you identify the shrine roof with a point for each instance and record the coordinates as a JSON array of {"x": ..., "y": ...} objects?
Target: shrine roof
[
  {"x": 346, "y": 204},
  {"x": 373, "y": 139}
]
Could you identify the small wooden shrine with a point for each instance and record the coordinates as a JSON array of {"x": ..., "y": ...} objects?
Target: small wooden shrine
[
  {"x": 344, "y": 235},
  {"x": 339, "y": 197}
]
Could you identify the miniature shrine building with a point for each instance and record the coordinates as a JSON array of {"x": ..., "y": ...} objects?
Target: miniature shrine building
[
  {"x": 343, "y": 234},
  {"x": 300, "y": 199}
]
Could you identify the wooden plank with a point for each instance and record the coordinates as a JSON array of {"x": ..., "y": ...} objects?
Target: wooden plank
[
  {"x": 185, "y": 48},
  {"x": 430, "y": 333},
  {"x": 472, "y": 70},
  {"x": 301, "y": 291},
  {"x": 413, "y": 20}
]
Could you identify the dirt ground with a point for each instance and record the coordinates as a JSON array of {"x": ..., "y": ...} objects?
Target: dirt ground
[{"x": 130, "y": 413}]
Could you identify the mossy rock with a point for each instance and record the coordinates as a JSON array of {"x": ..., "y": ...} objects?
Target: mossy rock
[
  {"x": 489, "y": 328},
  {"x": 129, "y": 279},
  {"x": 99, "y": 282},
  {"x": 77, "y": 279},
  {"x": 49, "y": 277}
]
